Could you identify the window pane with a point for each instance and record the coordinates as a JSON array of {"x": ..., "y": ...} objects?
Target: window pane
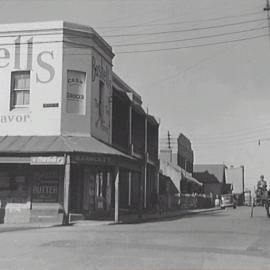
[
  {"x": 26, "y": 97},
  {"x": 21, "y": 80},
  {"x": 18, "y": 97},
  {"x": 27, "y": 81}
]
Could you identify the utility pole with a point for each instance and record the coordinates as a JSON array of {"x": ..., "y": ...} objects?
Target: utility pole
[
  {"x": 169, "y": 145},
  {"x": 169, "y": 140},
  {"x": 267, "y": 9},
  {"x": 263, "y": 139}
]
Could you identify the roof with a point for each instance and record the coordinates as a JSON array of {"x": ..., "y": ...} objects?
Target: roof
[
  {"x": 191, "y": 179},
  {"x": 56, "y": 144},
  {"x": 209, "y": 173},
  {"x": 120, "y": 84},
  {"x": 53, "y": 27}
]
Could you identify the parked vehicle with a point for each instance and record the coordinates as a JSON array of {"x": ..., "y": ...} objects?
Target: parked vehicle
[{"x": 228, "y": 200}]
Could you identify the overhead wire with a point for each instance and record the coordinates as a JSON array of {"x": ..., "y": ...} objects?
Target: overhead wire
[
  {"x": 187, "y": 29},
  {"x": 189, "y": 39},
  {"x": 193, "y": 46},
  {"x": 178, "y": 22}
]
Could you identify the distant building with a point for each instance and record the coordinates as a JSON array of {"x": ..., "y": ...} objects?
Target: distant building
[
  {"x": 235, "y": 176},
  {"x": 213, "y": 178},
  {"x": 178, "y": 161}
]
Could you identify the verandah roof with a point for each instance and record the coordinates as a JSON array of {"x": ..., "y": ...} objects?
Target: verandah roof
[{"x": 56, "y": 144}]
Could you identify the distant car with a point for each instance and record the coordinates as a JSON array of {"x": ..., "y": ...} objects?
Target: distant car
[{"x": 228, "y": 200}]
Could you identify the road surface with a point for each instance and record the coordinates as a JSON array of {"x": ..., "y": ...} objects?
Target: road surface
[{"x": 225, "y": 239}]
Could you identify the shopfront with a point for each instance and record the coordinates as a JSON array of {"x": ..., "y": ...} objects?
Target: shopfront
[{"x": 50, "y": 185}]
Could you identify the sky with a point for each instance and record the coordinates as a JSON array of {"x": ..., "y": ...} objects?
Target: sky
[{"x": 204, "y": 71}]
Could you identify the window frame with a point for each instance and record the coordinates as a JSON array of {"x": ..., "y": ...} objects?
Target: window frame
[{"x": 13, "y": 90}]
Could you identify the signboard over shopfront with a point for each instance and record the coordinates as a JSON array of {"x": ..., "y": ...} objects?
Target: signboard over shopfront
[
  {"x": 47, "y": 160},
  {"x": 92, "y": 159}
]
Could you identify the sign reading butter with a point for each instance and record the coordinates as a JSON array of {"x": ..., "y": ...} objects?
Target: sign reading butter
[
  {"x": 47, "y": 160},
  {"x": 76, "y": 88}
]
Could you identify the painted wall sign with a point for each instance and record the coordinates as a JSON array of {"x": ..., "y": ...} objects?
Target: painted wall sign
[
  {"x": 45, "y": 192},
  {"x": 47, "y": 160},
  {"x": 45, "y": 184},
  {"x": 14, "y": 118},
  {"x": 91, "y": 159},
  {"x": 101, "y": 72},
  {"x": 76, "y": 91},
  {"x": 5, "y": 56}
]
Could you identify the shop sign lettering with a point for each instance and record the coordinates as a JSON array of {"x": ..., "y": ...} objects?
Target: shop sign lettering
[
  {"x": 101, "y": 72},
  {"x": 47, "y": 160},
  {"x": 5, "y": 59},
  {"x": 84, "y": 158},
  {"x": 76, "y": 88},
  {"x": 45, "y": 189},
  {"x": 14, "y": 118},
  {"x": 45, "y": 192}
]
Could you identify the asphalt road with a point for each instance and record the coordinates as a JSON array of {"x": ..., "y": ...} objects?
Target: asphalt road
[{"x": 225, "y": 239}]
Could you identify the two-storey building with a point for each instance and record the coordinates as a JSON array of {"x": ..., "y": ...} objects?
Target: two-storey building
[{"x": 74, "y": 137}]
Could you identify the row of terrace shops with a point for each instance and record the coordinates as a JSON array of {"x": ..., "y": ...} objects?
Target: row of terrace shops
[{"x": 51, "y": 178}]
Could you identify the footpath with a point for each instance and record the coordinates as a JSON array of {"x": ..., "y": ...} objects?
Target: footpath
[
  {"x": 146, "y": 217},
  {"x": 156, "y": 216},
  {"x": 123, "y": 219}
]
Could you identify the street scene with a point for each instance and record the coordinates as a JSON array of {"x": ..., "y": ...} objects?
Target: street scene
[
  {"x": 134, "y": 134},
  {"x": 222, "y": 239}
]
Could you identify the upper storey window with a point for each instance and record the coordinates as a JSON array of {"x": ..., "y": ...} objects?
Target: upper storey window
[{"x": 20, "y": 89}]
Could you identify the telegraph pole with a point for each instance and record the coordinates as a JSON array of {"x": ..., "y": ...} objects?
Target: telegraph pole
[
  {"x": 267, "y": 9},
  {"x": 169, "y": 145},
  {"x": 169, "y": 140}
]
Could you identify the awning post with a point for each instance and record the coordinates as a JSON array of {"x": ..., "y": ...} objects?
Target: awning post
[
  {"x": 129, "y": 189},
  {"x": 116, "y": 196},
  {"x": 66, "y": 191}
]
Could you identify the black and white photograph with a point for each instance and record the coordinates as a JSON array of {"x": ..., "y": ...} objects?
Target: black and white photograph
[{"x": 135, "y": 134}]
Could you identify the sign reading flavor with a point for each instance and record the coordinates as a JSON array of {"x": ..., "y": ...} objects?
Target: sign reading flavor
[
  {"x": 14, "y": 118},
  {"x": 76, "y": 90}
]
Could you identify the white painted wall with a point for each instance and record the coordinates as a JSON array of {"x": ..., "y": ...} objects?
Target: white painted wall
[
  {"x": 45, "y": 81},
  {"x": 101, "y": 128},
  {"x": 57, "y": 48}
]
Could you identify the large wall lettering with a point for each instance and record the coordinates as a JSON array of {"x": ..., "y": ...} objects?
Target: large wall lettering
[
  {"x": 14, "y": 118},
  {"x": 5, "y": 56}
]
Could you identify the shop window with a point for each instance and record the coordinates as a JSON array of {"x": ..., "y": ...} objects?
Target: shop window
[
  {"x": 99, "y": 184},
  {"x": 14, "y": 186},
  {"x": 20, "y": 89},
  {"x": 45, "y": 185}
]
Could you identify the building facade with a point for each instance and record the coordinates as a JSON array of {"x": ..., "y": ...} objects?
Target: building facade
[
  {"x": 74, "y": 137},
  {"x": 213, "y": 178},
  {"x": 180, "y": 156}
]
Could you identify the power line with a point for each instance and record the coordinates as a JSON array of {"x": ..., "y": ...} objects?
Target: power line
[
  {"x": 192, "y": 46},
  {"x": 177, "y": 22},
  {"x": 189, "y": 39},
  {"x": 186, "y": 30}
]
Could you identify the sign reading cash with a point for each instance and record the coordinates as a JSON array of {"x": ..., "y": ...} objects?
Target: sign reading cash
[{"x": 76, "y": 90}]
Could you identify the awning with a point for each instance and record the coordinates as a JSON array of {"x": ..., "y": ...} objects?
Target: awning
[
  {"x": 11, "y": 146},
  {"x": 191, "y": 179},
  {"x": 53, "y": 144}
]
